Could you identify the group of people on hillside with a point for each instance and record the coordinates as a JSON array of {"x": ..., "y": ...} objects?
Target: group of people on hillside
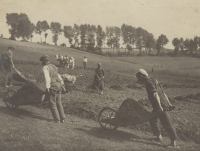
[
  {"x": 54, "y": 85},
  {"x": 65, "y": 61}
]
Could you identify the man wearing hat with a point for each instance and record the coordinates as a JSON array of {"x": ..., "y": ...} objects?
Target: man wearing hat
[
  {"x": 54, "y": 85},
  {"x": 7, "y": 65},
  {"x": 98, "y": 78},
  {"x": 152, "y": 89},
  {"x": 85, "y": 60}
]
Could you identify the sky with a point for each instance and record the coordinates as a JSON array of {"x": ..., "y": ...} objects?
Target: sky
[{"x": 173, "y": 18}]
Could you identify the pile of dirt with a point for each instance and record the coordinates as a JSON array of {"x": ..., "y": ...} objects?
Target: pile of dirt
[
  {"x": 134, "y": 86},
  {"x": 116, "y": 87}
]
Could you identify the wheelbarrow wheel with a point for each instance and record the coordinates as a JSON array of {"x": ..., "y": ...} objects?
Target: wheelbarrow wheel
[
  {"x": 107, "y": 113},
  {"x": 8, "y": 95},
  {"x": 31, "y": 78}
]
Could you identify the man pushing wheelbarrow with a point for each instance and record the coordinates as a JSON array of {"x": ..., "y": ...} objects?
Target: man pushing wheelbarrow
[{"x": 158, "y": 104}]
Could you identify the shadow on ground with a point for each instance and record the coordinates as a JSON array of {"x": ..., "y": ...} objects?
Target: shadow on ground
[
  {"x": 20, "y": 113},
  {"x": 117, "y": 135}
]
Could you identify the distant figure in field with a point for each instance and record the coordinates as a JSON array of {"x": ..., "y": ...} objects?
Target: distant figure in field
[
  {"x": 54, "y": 86},
  {"x": 85, "y": 60},
  {"x": 158, "y": 105},
  {"x": 99, "y": 78},
  {"x": 57, "y": 56},
  {"x": 60, "y": 60},
  {"x": 65, "y": 61},
  {"x": 71, "y": 62},
  {"x": 7, "y": 65}
]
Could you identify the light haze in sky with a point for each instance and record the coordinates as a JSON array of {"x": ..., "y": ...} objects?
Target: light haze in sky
[{"x": 173, "y": 18}]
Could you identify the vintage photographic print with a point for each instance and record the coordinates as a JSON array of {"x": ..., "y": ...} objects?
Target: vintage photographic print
[{"x": 99, "y": 75}]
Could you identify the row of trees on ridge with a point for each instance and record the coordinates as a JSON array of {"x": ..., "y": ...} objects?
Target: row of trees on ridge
[{"x": 88, "y": 37}]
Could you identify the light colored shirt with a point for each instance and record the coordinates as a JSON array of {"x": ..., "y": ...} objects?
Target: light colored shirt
[
  {"x": 85, "y": 60},
  {"x": 48, "y": 79}
]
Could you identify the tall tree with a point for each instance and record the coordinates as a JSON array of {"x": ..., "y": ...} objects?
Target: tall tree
[
  {"x": 186, "y": 44},
  {"x": 38, "y": 29},
  {"x": 21, "y": 26},
  {"x": 83, "y": 30},
  {"x": 55, "y": 28},
  {"x": 44, "y": 26},
  {"x": 55, "y": 38},
  {"x": 149, "y": 42},
  {"x": 76, "y": 31},
  {"x": 128, "y": 36},
  {"x": 142, "y": 36},
  {"x": 41, "y": 26},
  {"x": 90, "y": 36},
  {"x": 117, "y": 34},
  {"x": 176, "y": 43},
  {"x": 69, "y": 33},
  {"x": 113, "y": 37},
  {"x": 196, "y": 44},
  {"x": 12, "y": 20},
  {"x": 100, "y": 36},
  {"x": 161, "y": 42},
  {"x": 182, "y": 45},
  {"x": 109, "y": 36},
  {"x": 25, "y": 27}
]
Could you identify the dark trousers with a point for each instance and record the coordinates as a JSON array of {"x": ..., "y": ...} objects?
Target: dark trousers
[
  {"x": 56, "y": 107},
  {"x": 84, "y": 65},
  {"x": 98, "y": 84},
  {"x": 166, "y": 123},
  {"x": 8, "y": 77}
]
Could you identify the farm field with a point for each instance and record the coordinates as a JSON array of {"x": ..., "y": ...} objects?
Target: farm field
[{"x": 179, "y": 77}]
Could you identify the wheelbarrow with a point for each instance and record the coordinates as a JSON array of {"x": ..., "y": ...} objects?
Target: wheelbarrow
[
  {"x": 130, "y": 113},
  {"x": 30, "y": 92}
]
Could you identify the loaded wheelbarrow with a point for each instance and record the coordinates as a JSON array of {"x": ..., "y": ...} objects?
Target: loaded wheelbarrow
[
  {"x": 130, "y": 113},
  {"x": 29, "y": 93}
]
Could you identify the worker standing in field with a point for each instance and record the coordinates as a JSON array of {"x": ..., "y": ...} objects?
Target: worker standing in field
[
  {"x": 99, "y": 78},
  {"x": 85, "y": 60},
  {"x": 153, "y": 96},
  {"x": 72, "y": 61},
  {"x": 54, "y": 85},
  {"x": 7, "y": 65}
]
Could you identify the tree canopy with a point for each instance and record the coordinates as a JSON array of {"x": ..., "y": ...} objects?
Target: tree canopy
[{"x": 20, "y": 25}]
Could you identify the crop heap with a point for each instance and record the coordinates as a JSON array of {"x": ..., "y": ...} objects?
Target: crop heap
[
  {"x": 28, "y": 94},
  {"x": 131, "y": 112}
]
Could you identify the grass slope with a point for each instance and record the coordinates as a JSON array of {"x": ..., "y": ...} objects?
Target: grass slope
[{"x": 82, "y": 103}]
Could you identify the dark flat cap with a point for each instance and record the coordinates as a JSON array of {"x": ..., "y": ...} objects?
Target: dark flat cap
[{"x": 44, "y": 58}]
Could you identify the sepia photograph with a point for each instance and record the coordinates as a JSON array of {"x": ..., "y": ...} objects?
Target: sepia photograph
[{"x": 99, "y": 75}]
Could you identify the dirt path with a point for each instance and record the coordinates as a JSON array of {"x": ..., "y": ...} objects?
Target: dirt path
[{"x": 30, "y": 128}]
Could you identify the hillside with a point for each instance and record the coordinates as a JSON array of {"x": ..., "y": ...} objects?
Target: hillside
[{"x": 82, "y": 106}]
